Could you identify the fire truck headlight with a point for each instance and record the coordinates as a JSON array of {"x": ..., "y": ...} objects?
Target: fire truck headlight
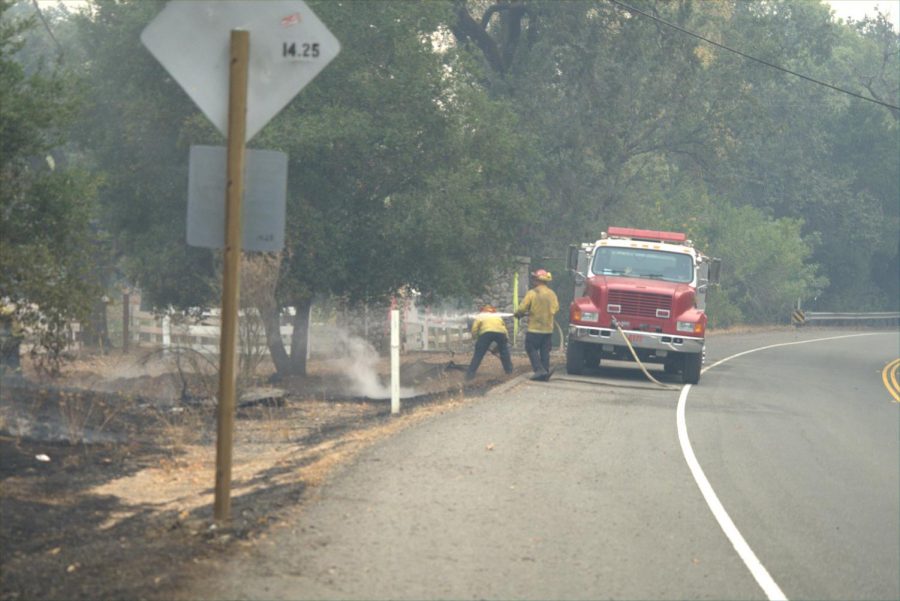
[
  {"x": 589, "y": 316},
  {"x": 687, "y": 326}
]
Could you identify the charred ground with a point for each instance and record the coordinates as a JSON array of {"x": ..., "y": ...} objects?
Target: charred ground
[{"x": 106, "y": 481}]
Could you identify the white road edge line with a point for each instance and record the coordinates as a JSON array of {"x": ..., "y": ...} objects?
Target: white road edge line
[
  {"x": 753, "y": 564},
  {"x": 759, "y": 572}
]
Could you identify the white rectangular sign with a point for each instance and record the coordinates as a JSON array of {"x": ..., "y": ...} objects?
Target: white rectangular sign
[{"x": 263, "y": 208}]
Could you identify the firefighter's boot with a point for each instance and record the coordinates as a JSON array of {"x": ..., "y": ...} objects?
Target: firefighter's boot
[{"x": 534, "y": 355}]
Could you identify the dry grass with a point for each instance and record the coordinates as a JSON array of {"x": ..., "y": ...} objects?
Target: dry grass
[
  {"x": 127, "y": 516},
  {"x": 308, "y": 431},
  {"x": 185, "y": 483}
]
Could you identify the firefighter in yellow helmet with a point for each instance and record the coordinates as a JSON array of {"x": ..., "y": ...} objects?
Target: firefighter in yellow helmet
[
  {"x": 541, "y": 306},
  {"x": 487, "y": 329}
]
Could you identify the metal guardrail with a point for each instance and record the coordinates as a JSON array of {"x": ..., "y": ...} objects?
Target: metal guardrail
[{"x": 799, "y": 318}]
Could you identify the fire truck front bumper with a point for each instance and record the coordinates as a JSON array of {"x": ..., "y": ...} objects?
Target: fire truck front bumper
[{"x": 653, "y": 341}]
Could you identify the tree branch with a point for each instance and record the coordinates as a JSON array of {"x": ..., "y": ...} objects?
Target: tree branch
[{"x": 468, "y": 28}]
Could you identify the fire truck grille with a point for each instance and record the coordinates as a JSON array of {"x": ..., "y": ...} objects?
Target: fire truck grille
[{"x": 640, "y": 304}]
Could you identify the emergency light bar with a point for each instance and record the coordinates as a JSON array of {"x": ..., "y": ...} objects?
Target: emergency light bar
[{"x": 646, "y": 235}]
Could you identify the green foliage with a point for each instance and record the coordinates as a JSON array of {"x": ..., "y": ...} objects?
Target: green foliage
[
  {"x": 400, "y": 175},
  {"x": 864, "y": 147},
  {"x": 636, "y": 122},
  {"x": 46, "y": 237},
  {"x": 765, "y": 267},
  {"x": 32, "y": 107},
  {"x": 424, "y": 166},
  {"x": 133, "y": 130},
  {"x": 804, "y": 151}
]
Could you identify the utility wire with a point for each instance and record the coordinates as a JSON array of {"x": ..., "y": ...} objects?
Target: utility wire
[
  {"x": 749, "y": 57},
  {"x": 47, "y": 27}
]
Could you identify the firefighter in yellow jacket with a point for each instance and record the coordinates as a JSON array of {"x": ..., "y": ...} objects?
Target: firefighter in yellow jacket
[
  {"x": 487, "y": 329},
  {"x": 541, "y": 306}
]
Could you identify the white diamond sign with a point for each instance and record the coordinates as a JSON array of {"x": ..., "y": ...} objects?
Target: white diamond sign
[{"x": 289, "y": 46}]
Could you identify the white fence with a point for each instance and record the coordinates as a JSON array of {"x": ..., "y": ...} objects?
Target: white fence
[{"x": 419, "y": 331}]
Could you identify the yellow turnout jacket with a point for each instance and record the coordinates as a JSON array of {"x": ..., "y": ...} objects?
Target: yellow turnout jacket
[
  {"x": 541, "y": 305},
  {"x": 488, "y": 322}
]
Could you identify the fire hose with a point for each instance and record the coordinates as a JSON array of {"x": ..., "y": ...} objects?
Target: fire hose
[{"x": 640, "y": 364}]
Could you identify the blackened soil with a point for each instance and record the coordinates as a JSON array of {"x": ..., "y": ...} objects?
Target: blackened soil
[{"x": 61, "y": 539}]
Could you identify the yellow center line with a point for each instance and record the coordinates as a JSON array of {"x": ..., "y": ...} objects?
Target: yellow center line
[{"x": 889, "y": 377}]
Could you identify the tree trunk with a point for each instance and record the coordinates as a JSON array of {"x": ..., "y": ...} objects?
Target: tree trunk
[
  {"x": 295, "y": 363},
  {"x": 272, "y": 325},
  {"x": 95, "y": 334},
  {"x": 300, "y": 337}
]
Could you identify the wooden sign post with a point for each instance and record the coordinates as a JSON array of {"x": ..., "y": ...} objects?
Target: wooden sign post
[{"x": 231, "y": 279}]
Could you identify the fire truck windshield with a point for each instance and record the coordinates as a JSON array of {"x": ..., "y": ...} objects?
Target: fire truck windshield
[{"x": 643, "y": 263}]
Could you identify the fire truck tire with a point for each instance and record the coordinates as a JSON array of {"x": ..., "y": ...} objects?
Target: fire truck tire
[
  {"x": 575, "y": 357},
  {"x": 691, "y": 371}
]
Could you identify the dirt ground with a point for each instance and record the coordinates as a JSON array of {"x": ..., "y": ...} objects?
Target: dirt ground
[{"x": 107, "y": 472}]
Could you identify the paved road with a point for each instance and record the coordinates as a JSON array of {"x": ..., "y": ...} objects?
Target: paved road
[
  {"x": 574, "y": 490},
  {"x": 801, "y": 445}
]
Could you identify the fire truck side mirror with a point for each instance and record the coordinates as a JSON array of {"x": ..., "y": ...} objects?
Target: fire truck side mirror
[
  {"x": 572, "y": 258},
  {"x": 715, "y": 265}
]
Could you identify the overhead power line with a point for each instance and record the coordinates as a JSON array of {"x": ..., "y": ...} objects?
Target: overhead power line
[
  {"x": 749, "y": 57},
  {"x": 40, "y": 14}
]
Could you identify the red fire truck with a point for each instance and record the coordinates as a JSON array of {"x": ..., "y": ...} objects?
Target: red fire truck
[{"x": 643, "y": 287}]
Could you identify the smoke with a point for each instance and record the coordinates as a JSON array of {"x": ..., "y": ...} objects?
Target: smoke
[{"x": 359, "y": 363}]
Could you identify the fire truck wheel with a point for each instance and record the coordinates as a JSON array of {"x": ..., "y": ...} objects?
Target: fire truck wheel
[
  {"x": 575, "y": 357},
  {"x": 692, "y": 363}
]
